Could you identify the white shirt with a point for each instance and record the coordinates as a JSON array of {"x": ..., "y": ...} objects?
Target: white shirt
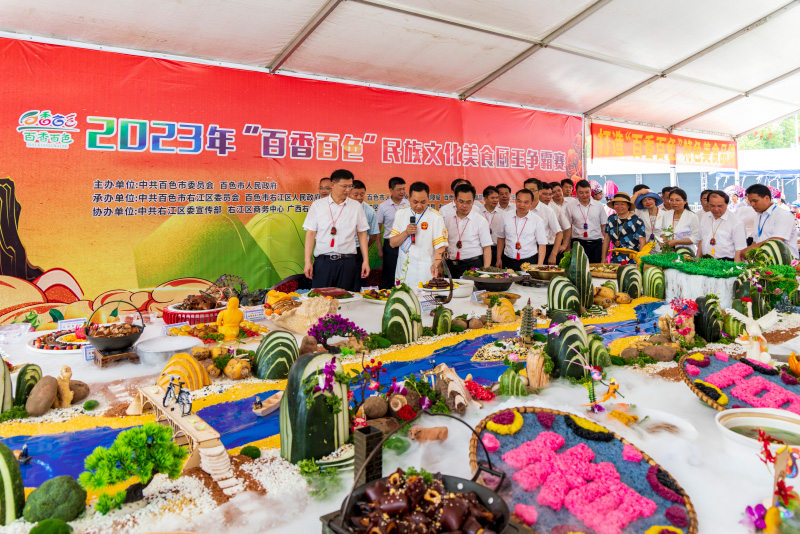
[
  {"x": 551, "y": 224},
  {"x": 776, "y": 222},
  {"x": 431, "y": 235},
  {"x": 350, "y": 218},
  {"x": 386, "y": 212},
  {"x": 450, "y": 209},
  {"x": 528, "y": 231},
  {"x": 594, "y": 216},
  {"x": 495, "y": 220},
  {"x": 474, "y": 235},
  {"x": 687, "y": 227},
  {"x": 727, "y": 232},
  {"x": 511, "y": 207},
  {"x": 372, "y": 220},
  {"x": 747, "y": 215},
  {"x": 563, "y": 222},
  {"x": 650, "y": 224}
]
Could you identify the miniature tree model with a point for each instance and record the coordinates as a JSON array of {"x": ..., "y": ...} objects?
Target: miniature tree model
[{"x": 142, "y": 451}]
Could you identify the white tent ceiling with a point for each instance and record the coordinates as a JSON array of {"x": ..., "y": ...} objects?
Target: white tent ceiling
[{"x": 722, "y": 67}]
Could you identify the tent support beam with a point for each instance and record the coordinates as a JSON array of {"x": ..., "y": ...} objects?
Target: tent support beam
[
  {"x": 566, "y": 26},
  {"x": 751, "y": 130},
  {"x": 318, "y": 18},
  {"x": 739, "y": 97},
  {"x": 763, "y": 20}
]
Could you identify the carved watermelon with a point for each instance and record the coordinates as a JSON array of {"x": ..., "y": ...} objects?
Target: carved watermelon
[{"x": 309, "y": 426}]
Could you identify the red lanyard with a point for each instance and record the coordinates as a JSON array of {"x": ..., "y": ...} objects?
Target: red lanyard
[
  {"x": 460, "y": 233},
  {"x": 333, "y": 227},
  {"x": 518, "y": 246},
  {"x": 585, "y": 218},
  {"x": 652, "y": 225}
]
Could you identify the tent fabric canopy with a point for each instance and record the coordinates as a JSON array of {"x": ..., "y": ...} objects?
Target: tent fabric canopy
[{"x": 721, "y": 67}]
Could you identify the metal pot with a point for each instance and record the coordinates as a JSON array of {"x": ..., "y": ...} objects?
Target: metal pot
[
  {"x": 158, "y": 350},
  {"x": 339, "y": 522}
]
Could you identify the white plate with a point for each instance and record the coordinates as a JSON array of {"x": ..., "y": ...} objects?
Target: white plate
[
  {"x": 373, "y": 301},
  {"x": 353, "y": 298},
  {"x": 31, "y": 347},
  {"x": 445, "y": 290}
]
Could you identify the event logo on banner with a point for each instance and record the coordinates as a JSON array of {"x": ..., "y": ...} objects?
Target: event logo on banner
[
  {"x": 43, "y": 129},
  {"x": 179, "y": 173},
  {"x": 643, "y": 146}
]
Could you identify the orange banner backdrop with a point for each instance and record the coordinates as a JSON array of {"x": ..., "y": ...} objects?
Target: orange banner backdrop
[
  {"x": 125, "y": 173},
  {"x": 655, "y": 147}
]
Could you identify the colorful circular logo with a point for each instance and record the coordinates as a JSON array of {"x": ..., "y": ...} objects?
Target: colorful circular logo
[{"x": 424, "y": 226}]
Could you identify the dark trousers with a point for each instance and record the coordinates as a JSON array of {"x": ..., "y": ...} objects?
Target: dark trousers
[
  {"x": 494, "y": 255},
  {"x": 510, "y": 263},
  {"x": 361, "y": 258},
  {"x": 344, "y": 273},
  {"x": 725, "y": 259},
  {"x": 593, "y": 249},
  {"x": 389, "y": 264},
  {"x": 457, "y": 267},
  {"x": 547, "y": 251}
]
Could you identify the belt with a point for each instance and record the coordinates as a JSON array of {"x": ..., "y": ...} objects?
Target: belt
[
  {"x": 336, "y": 257},
  {"x": 456, "y": 262}
]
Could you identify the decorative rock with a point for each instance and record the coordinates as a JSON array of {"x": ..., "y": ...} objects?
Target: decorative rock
[
  {"x": 475, "y": 324},
  {"x": 483, "y": 319},
  {"x": 412, "y": 397},
  {"x": 308, "y": 345},
  {"x": 630, "y": 353},
  {"x": 375, "y": 407},
  {"x": 659, "y": 339},
  {"x": 42, "y": 396},
  {"x": 660, "y": 353},
  {"x": 80, "y": 390},
  {"x": 384, "y": 424},
  {"x": 459, "y": 322}
]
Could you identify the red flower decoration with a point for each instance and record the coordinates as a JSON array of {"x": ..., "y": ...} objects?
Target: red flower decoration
[
  {"x": 747, "y": 299},
  {"x": 784, "y": 492},
  {"x": 406, "y": 413},
  {"x": 478, "y": 391}
]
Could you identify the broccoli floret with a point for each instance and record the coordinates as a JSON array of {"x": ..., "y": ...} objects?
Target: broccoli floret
[
  {"x": 251, "y": 451},
  {"x": 51, "y": 526},
  {"x": 58, "y": 498}
]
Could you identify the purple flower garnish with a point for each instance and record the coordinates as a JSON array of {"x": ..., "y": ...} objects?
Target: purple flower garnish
[
  {"x": 425, "y": 403},
  {"x": 788, "y": 379}
]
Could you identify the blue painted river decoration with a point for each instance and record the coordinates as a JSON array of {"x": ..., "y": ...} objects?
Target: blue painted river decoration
[{"x": 63, "y": 454}]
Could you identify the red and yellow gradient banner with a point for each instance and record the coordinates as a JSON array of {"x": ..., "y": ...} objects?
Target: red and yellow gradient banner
[
  {"x": 131, "y": 171},
  {"x": 642, "y": 146}
]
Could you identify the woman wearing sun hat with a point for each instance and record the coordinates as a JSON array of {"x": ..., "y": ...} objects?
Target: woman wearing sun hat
[
  {"x": 624, "y": 229},
  {"x": 647, "y": 204}
]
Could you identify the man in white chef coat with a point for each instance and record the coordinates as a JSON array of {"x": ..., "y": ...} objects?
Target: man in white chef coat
[{"x": 420, "y": 234}]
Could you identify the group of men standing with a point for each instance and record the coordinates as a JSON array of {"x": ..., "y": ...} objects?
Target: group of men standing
[{"x": 543, "y": 222}]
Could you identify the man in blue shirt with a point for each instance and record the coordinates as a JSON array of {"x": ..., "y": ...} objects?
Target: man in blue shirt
[{"x": 359, "y": 193}]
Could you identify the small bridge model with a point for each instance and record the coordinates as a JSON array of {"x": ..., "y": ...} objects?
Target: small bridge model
[{"x": 203, "y": 442}]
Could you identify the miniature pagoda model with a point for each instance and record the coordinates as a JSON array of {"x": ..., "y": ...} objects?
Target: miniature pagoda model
[{"x": 528, "y": 324}]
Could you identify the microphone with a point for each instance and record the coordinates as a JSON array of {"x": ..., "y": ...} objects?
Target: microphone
[{"x": 413, "y": 220}]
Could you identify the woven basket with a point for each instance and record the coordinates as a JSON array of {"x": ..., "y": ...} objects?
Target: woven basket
[
  {"x": 690, "y": 382},
  {"x": 191, "y": 317},
  {"x": 473, "y": 458}
]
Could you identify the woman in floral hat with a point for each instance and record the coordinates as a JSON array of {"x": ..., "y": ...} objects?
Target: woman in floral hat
[{"x": 623, "y": 230}]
